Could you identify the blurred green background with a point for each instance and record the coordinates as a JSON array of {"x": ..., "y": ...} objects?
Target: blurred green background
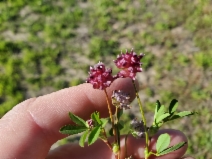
[{"x": 47, "y": 45}]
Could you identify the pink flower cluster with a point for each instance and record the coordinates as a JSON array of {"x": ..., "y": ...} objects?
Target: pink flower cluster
[
  {"x": 100, "y": 77},
  {"x": 129, "y": 63}
]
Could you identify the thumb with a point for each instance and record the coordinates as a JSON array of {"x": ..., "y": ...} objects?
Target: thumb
[{"x": 32, "y": 126}]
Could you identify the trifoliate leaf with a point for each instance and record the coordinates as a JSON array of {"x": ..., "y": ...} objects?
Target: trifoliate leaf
[
  {"x": 104, "y": 122},
  {"x": 72, "y": 129},
  {"x": 162, "y": 142},
  {"x": 77, "y": 120},
  {"x": 172, "y": 148},
  {"x": 160, "y": 118},
  {"x": 95, "y": 117},
  {"x": 94, "y": 134},
  {"x": 173, "y": 106},
  {"x": 83, "y": 138}
]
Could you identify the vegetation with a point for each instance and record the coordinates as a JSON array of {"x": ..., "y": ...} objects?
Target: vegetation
[{"x": 48, "y": 45}]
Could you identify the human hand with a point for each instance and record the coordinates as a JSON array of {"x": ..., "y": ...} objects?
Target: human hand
[{"x": 31, "y": 127}]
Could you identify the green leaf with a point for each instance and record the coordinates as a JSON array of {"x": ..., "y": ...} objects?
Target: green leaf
[
  {"x": 72, "y": 129},
  {"x": 181, "y": 114},
  {"x": 162, "y": 142},
  {"x": 185, "y": 113},
  {"x": 173, "y": 106},
  {"x": 157, "y": 107},
  {"x": 104, "y": 122},
  {"x": 160, "y": 112},
  {"x": 172, "y": 148},
  {"x": 77, "y": 120},
  {"x": 160, "y": 118},
  {"x": 83, "y": 138},
  {"x": 93, "y": 136},
  {"x": 95, "y": 117}
]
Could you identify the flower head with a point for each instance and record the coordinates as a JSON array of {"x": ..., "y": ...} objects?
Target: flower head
[
  {"x": 100, "y": 77},
  {"x": 129, "y": 63},
  {"x": 139, "y": 128},
  {"x": 121, "y": 99},
  {"x": 90, "y": 123}
]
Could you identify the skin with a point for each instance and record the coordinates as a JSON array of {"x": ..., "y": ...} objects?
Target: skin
[{"x": 31, "y": 127}]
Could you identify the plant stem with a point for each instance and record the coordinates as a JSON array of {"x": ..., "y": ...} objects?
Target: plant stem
[
  {"x": 109, "y": 108},
  {"x": 116, "y": 126},
  {"x": 144, "y": 120},
  {"x": 111, "y": 115},
  {"x": 117, "y": 131},
  {"x": 116, "y": 115},
  {"x": 106, "y": 141}
]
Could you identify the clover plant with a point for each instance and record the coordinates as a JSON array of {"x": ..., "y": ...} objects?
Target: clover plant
[{"x": 94, "y": 128}]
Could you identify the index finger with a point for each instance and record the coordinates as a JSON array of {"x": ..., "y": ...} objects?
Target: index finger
[{"x": 31, "y": 127}]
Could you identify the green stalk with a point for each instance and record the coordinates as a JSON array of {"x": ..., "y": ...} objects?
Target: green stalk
[
  {"x": 109, "y": 109},
  {"x": 111, "y": 118},
  {"x": 117, "y": 131},
  {"x": 144, "y": 120},
  {"x": 116, "y": 126}
]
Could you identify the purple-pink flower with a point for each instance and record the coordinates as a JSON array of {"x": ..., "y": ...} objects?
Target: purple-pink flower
[
  {"x": 129, "y": 63},
  {"x": 90, "y": 123},
  {"x": 121, "y": 99},
  {"x": 100, "y": 77}
]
